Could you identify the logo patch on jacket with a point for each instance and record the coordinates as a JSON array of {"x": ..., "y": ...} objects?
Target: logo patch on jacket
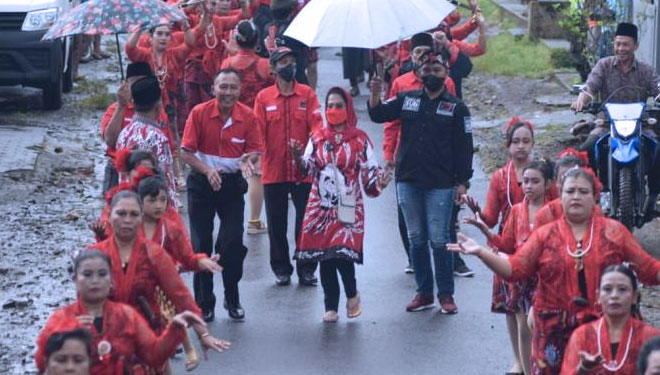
[
  {"x": 468, "y": 124},
  {"x": 302, "y": 105},
  {"x": 411, "y": 104},
  {"x": 446, "y": 109}
]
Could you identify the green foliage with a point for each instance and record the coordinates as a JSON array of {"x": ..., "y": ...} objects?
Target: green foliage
[
  {"x": 562, "y": 58},
  {"x": 98, "y": 101},
  {"x": 508, "y": 55}
]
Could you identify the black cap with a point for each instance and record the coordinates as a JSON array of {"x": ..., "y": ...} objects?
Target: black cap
[
  {"x": 138, "y": 69},
  {"x": 627, "y": 29},
  {"x": 421, "y": 39},
  {"x": 145, "y": 92},
  {"x": 280, "y": 52}
]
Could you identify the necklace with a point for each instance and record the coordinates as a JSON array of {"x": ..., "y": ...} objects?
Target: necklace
[
  {"x": 508, "y": 185},
  {"x": 579, "y": 253},
  {"x": 613, "y": 365},
  {"x": 210, "y": 31},
  {"x": 161, "y": 70}
]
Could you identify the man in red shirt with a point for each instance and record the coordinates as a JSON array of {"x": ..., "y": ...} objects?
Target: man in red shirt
[
  {"x": 219, "y": 141},
  {"x": 287, "y": 111},
  {"x": 119, "y": 115}
]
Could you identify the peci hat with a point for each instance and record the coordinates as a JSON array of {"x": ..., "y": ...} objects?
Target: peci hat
[
  {"x": 279, "y": 53},
  {"x": 627, "y": 29},
  {"x": 146, "y": 91},
  {"x": 138, "y": 69},
  {"x": 421, "y": 39}
]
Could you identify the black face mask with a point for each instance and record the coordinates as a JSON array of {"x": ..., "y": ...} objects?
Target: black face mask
[
  {"x": 433, "y": 83},
  {"x": 287, "y": 73}
]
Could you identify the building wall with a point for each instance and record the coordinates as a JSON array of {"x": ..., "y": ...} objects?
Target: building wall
[{"x": 646, "y": 16}]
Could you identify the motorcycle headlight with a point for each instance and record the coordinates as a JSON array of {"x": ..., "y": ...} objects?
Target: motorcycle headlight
[
  {"x": 625, "y": 128},
  {"x": 39, "y": 19}
]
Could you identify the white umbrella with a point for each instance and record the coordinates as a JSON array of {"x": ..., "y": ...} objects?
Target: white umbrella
[{"x": 365, "y": 23}]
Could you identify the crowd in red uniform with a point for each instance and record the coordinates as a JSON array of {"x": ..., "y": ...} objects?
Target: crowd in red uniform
[{"x": 230, "y": 96}]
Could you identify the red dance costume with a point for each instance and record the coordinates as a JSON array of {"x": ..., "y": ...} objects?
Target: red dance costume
[
  {"x": 586, "y": 338},
  {"x": 125, "y": 346},
  {"x": 559, "y": 304},
  {"x": 172, "y": 236},
  {"x": 148, "y": 267}
]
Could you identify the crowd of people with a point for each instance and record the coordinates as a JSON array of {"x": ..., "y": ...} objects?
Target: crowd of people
[{"x": 229, "y": 97}]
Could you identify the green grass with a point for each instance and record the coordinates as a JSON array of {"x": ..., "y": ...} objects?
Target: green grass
[
  {"x": 98, "y": 101},
  {"x": 508, "y": 55}
]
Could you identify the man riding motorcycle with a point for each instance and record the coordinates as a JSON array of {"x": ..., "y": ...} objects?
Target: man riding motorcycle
[{"x": 621, "y": 79}]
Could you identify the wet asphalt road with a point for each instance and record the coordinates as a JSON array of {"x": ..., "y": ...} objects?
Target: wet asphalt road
[{"x": 283, "y": 332}]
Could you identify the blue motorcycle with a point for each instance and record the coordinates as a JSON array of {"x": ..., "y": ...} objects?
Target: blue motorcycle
[{"x": 623, "y": 159}]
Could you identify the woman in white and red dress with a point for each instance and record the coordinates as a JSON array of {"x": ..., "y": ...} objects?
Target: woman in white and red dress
[{"x": 338, "y": 157}]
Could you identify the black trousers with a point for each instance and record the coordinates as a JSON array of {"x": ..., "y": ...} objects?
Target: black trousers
[
  {"x": 228, "y": 204},
  {"x": 276, "y": 199},
  {"x": 330, "y": 282}
]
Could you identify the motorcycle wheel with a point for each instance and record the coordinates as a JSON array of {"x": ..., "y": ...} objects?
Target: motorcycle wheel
[{"x": 625, "y": 204}]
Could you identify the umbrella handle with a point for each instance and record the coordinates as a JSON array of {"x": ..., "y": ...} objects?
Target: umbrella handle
[{"x": 121, "y": 66}]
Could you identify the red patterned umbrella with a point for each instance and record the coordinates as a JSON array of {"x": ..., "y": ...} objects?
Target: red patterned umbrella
[{"x": 104, "y": 17}]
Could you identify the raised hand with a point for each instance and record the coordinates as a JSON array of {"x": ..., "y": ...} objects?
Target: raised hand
[
  {"x": 588, "y": 361},
  {"x": 465, "y": 245}
]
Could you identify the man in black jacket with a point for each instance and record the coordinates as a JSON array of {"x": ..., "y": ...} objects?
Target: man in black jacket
[{"x": 434, "y": 166}]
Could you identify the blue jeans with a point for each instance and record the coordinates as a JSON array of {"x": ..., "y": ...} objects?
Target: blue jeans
[{"x": 428, "y": 216}]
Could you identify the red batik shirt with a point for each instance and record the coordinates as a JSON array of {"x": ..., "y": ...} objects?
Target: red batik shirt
[
  {"x": 148, "y": 267},
  {"x": 347, "y": 166},
  {"x": 133, "y": 345},
  {"x": 585, "y": 338},
  {"x": 148, "y": 135}
]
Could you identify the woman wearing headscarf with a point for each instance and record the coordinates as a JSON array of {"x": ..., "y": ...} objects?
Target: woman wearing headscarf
[{"x": 339, "y": 157}]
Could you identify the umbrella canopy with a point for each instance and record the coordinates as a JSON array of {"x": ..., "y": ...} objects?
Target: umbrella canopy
[
  {"x": 103, "y": 17},
  {"x": 365, "y": 23}
]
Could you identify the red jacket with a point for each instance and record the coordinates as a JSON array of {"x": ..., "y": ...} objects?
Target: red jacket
[
  {"x": 149, "y": 267},
  {"x": 132, "y": 341},
  {"x": 281, "y": 119},
  {"x": 392, "y": 130}
]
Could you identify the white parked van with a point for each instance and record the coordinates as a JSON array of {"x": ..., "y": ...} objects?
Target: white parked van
[{"x": 24, "y": 58}]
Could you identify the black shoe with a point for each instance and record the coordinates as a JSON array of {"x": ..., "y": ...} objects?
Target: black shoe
[
  {"x": 308, "y": 279},
  {"x": 235, "y": 311},
  {"x": 461, "y": 269},
  {"x": 208, "y": 315},
  {"x": 282, "y": 280}
]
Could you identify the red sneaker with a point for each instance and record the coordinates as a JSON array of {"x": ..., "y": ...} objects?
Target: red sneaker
[
  {"x": 447, "y": 305},
  {"x": 420, "y": 302}
]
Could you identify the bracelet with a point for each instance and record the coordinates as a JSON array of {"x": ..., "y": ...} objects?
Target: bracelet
[{"x": 205, "y": 334}]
